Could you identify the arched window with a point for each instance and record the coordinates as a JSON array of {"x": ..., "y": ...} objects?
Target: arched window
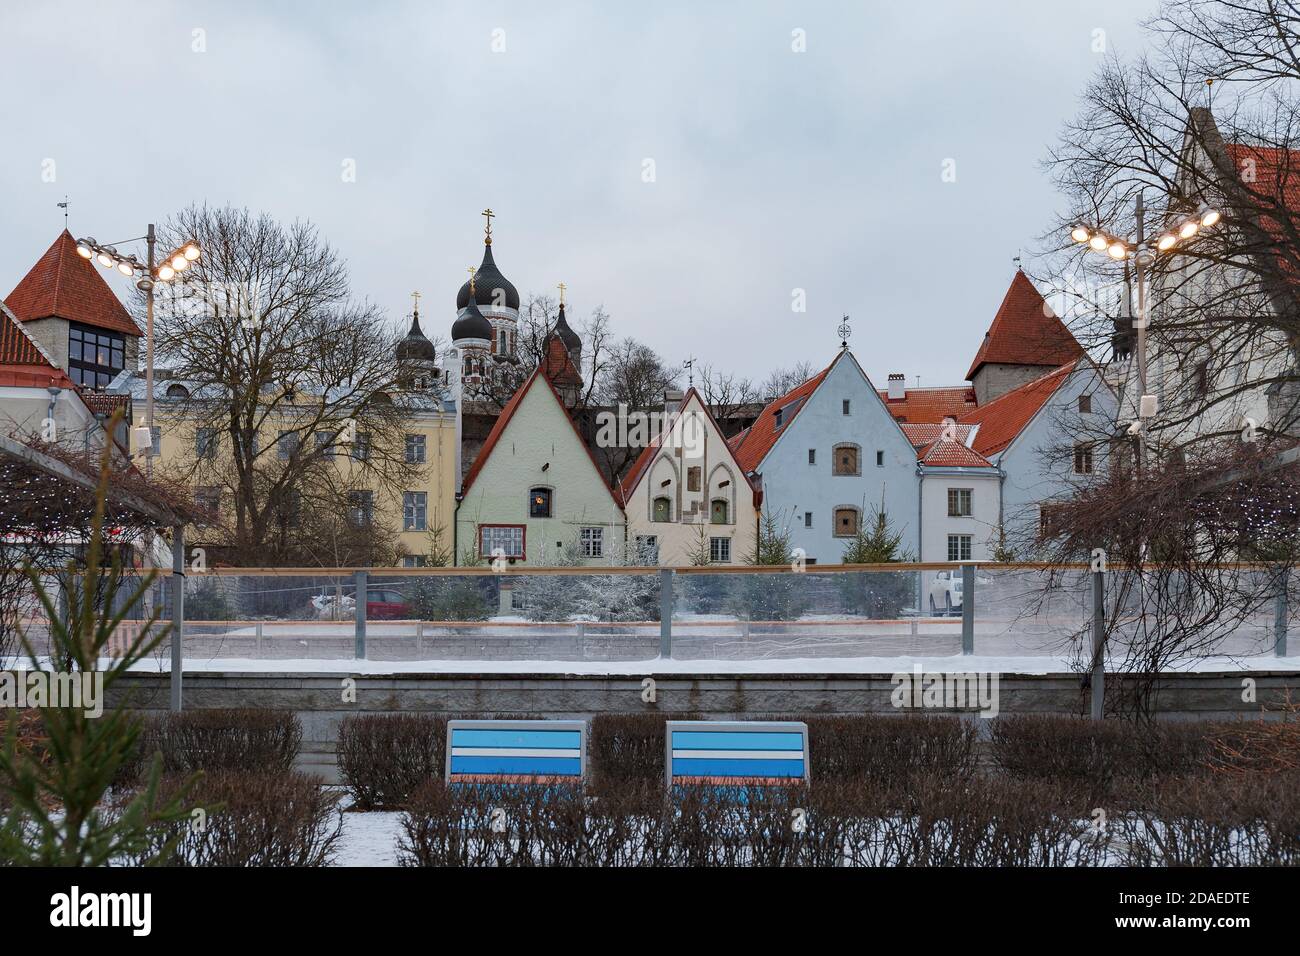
[
  {"x": 663, "y": 509},
  {"x": 718, "y": 512},
  {"x": 177, "y": 391}
]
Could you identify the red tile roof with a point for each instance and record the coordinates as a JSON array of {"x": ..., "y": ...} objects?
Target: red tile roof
[
  {"x": 65, "y": 285},
  {"x": 930, "y": 405},
  {"x": 1025, "y": 331},
  {"x": 945, "y": 453},
  {"x": 638, "y": 469},
  {"x": 102, "y": 403},
  {"x": 503, "y": 420},
  {"x": 762, "y": 435},
  {"x": 1002, "y": 419},
  {"x": 1274, "y": 191},
  {"x": 923, "y": 434}
]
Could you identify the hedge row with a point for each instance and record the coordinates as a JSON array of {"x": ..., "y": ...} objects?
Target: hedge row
[
  {"x": 247, "y": 740},
  {"x": 981, "y": 821}
]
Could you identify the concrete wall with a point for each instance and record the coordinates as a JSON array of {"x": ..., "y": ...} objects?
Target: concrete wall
[
  {"x": 317, "y": 697},
  {"x": 792, "y": 487}
]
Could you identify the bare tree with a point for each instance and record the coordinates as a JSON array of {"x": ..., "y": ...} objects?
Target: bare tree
[
  {"x": 286, "y": 374},
  {"x": 782, "y": 380},
  {"x": 726, "y": 393}
]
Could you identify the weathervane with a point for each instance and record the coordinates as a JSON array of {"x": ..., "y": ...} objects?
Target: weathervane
[
  {"x": 64, "y": 206},
  {"x": 844, "y": 332},
  {"x": 488, "y": 215},
  {"x": 689, "y": 365}
]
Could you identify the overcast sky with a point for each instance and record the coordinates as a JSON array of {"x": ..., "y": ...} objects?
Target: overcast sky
[{"x": 773, "y": 170}]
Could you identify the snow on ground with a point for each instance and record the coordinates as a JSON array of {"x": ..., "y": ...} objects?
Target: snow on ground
[
  {"x": 369, "y": 839},
  {"x": 792, "y": 665}
]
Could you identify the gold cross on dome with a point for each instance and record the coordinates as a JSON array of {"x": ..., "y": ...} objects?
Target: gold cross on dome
[
  {"x": 415, "y": 301},
  {"x": 488, "y": 215},
  {"x": 471, "y": 270},
  {"x": 561, "y": 287}
]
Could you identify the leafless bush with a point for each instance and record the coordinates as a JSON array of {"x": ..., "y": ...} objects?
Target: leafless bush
[
  {"x": 384, "y": 758},
  {"x": 248, "y": 740},
  {"x": 881, "y": 747},
  {"x": 251, "y": 819}
]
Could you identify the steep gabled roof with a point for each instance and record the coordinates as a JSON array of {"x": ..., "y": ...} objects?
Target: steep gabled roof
[
  {"x": 1002, "y": 419},
  {"x": 946, "y": 453},
  {"x": 503, "y": 422},
  {"x": 65, "y": 285},
  {"x": 930, "y": 405},
  {"x": 773, "y": 420},
  {"x": 557, "y": 366},
  {"x": 643, "y": 460},
  {"x": 1025, "y": 331}
]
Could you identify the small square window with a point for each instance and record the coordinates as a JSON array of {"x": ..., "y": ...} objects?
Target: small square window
[
  {"x": 812, "y": 456},
  {"x": 959, "y": 547},
  {"x": 720, "y": 550},
  {"x": 415, "y": 449},
  {"x": 593, "y": 542},
  {"x": 959, "y": 502},
  {"x": 807, "y": 519},
  {"x": 846, "y": 406},
  {"x": 1085, "y": 404}
]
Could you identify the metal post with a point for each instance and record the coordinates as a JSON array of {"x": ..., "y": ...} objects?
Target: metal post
[
  {"x": 258, "y": 632},
  {"x": 178, "y": 612},
  {"x": 148, "y": 353},
  {"x": 360, "y": 584},
  {"x": 1098, "y": 645},
  {"x": 1282, "y": 611},
  {"x": 968, "y": 609},
  {"x": 666, "y": 612},
  {"x": 419, "y": 639}
]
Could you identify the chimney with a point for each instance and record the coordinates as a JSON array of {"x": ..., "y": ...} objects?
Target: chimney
[
  {"x": 897, "y": 385},
  {"x": 672, "y": 401}
]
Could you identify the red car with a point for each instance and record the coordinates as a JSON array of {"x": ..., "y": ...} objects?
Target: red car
[{"x": 383, "y": 604}]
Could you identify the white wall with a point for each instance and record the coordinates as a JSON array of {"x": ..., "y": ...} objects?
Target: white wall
[{"x": 937, "y": 525}]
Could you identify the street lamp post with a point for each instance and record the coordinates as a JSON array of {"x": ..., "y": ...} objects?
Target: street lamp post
[
  {"x": 150, "y": 273},
  {"x": 1143, "y": 259}
]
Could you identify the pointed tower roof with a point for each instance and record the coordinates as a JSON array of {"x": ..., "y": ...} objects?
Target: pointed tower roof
[
  {"x": 1025, "y": 331},
  {"x": 64, "y": 285},
  {"x": 416, "y": 346},
  {"x": 567, "y": 335}
]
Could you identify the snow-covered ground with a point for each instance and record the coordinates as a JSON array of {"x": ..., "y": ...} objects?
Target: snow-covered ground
[{"x": 369, "y": 839}]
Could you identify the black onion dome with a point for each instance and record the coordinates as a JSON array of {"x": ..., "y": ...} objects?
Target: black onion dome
[
  {"x": 416, "y": 346},
  {"x": 566, "y": 334},
  {"x": 487, "y": 280},
  {"x": 471, "y": 325}
]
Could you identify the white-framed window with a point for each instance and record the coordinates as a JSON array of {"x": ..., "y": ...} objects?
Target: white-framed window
[
  {"x": 208, "y": 497},
  {"x": 959, "y": 547},
  {"x": 509, "y": 538},
  {"x": 720, "y": 550},
  {"x": 415, "y": 449},
  {"x": 414, "y": 510},
  {"x": 959, "y": 502},
  {"x": 414, "y": 561},
  {"x": 593, "y": 542}
]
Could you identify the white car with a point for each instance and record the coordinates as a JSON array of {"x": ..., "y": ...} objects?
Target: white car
[{"x": 945, "y": 593}]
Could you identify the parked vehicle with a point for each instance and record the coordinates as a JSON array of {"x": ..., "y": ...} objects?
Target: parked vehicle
[
  {"x": 945, "y": 593},
  {"x": 385, "y": 604}
]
